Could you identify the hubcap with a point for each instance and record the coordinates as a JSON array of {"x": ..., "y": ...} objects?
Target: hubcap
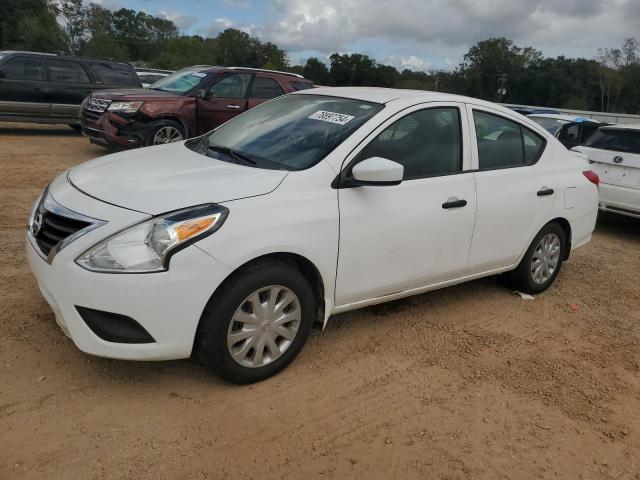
[
  {"x": 545, "y": 258},
  {"x": 264, "y": 326},
  {"x": 167, "y": 135}
]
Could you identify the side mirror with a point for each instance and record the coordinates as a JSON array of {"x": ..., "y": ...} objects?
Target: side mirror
[
  {"x": 377, "y": 171},
  {"x": 202, "y": 93},
  {"x": 2, "y": 74}
]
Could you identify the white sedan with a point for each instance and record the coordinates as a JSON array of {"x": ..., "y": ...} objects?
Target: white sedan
[
  {"x": 230, "y": 246},
  {"x": 614, "y": 154}
]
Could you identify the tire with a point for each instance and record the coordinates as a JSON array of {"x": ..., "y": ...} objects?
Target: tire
[
  {"x": 524, "y": 277},
  {"x": 232, "y": 302},
  {"x": 75, "y": 126},
  {"x": 165, "y": 131}
]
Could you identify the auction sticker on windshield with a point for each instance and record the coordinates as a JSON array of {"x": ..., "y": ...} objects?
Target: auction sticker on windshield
[{"x": 332, "y": 117}]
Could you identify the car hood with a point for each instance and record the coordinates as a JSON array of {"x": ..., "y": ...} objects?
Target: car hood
[
  {"x": 160, "y": 179},
  {"x": 124, "y": 94}
]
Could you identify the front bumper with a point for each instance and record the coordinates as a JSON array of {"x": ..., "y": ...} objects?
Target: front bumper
[
  {"x": 168, "y": 305},
  {"x": 111, "y": 129},
  {"x": 621, "y": 200}
]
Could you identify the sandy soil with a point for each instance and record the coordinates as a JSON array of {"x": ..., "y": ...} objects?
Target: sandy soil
[{"x": 470, "y": 382}]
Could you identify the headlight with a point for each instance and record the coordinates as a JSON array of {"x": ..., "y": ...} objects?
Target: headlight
[
  {"x": 126, "y": 107},
  {"x": 147, "y": 246}
]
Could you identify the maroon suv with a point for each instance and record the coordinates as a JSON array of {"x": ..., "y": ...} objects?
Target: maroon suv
[{"x": 185, "y": 104}]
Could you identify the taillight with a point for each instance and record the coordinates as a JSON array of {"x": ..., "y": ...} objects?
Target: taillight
[{"x": 592, "y": 177}]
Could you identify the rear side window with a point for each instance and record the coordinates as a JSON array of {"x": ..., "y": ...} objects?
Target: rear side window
[
  {"x": 266, "y": 88},
  {"x": 297, "y": 86},
  {"x": 231, "y": 86},
  {"x": 627, "y": 141},
  {"x": 503, "y": 143},
  {"x": 116, "y": 74},
  {"x": 23, "y": 68},
  {"x": 66, "y": 72},
  {"x": 426, "y": 142}
]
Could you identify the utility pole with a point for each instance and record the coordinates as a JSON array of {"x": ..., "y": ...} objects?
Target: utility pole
[{"x": 502, "y": 86}]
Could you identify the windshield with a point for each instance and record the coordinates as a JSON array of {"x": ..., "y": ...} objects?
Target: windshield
[
  {"x": 615, "y": 140},
  {"x": 293, "y": 132},
  {"x": 180, "y": 82},
  {"x": 551, "y": 125}
]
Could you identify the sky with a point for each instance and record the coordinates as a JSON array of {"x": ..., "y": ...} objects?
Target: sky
[{"x": 415, "y": 34}]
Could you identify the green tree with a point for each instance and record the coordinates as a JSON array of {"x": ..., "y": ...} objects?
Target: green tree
[
  {"x": 75, "y": 16},
  {"x": 316, "y": 71},
  {"x": 30, "y": 25}
]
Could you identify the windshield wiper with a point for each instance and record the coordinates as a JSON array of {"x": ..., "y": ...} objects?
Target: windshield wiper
[{"x": 237, "y": 156}]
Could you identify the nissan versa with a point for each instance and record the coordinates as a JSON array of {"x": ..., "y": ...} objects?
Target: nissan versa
[{"x": 231, "y": 245}]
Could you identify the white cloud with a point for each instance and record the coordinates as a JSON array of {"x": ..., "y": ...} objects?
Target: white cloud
[
  {"x": 183, "y": 22},
  {"x": 109, "y": 4},
  {"x": 411, "y": 62},
  {"x": 447, "y": 28}
]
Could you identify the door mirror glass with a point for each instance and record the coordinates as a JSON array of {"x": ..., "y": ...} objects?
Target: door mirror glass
[{"x": 378, "y": 171}]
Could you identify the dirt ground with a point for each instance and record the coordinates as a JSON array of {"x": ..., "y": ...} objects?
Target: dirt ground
[{"x": 470, "y": 382}]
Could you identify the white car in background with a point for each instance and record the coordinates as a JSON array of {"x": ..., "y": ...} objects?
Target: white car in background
[
  {"x": 232, "y": 245},
  {"x": 149, "y": 76},
  {"x": 614, "y": 154},
  {"x": 553, "y": 123}
]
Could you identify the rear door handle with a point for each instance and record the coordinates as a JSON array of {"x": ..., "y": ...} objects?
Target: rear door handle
[
  {"x": 454, "y": 204},
  {"x": 545, "y": 192},
  {"x": 235, "y": 107}
]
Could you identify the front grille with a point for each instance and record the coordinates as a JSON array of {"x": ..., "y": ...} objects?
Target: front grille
[
  {"x": 89, "y": 115},
  {"x": 97, "y": 105},
  {"x": 55, "y": 228}
]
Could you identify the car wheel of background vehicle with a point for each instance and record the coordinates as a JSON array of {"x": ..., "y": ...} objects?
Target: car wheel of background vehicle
[
  {"x": 257, "y": 322},
  {"x": 75, "y": 126},
  {"x": 165, "y": 131},
  {"x": 542, "y": 262}
]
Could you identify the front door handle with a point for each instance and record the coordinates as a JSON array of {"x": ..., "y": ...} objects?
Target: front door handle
[
  {"x": 545, "y": 192},
  {"x": 235, "y": 107},
  {"x": 454, "y": 204}
]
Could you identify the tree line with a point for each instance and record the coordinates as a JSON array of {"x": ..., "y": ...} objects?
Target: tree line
[{"x": 494, "y": 69}]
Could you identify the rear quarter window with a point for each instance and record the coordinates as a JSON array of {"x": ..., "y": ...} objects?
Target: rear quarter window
[
  {"x": 299, "y": 85},
  {"x": 115, "y": 74}
]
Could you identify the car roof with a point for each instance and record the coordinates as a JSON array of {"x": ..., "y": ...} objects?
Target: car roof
[
  {"x": 217, "y": 68},
  {"x": 568, "y": 118},
  {"x": 623, "y": 126},
  {"x": 386, "y": 95},
  {"x": 59, "y": 55},
  {"x": 152, "y": 70}
]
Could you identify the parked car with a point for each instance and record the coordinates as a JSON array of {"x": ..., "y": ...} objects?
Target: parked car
[
  {"x": 614, "y": 154},
  {"x": 49, "y": 88},
  {"x": 526, "y": 111},
  {"x": 570, "y": 130},
  {"x": 185, "y": 104},
  {"x": 149, "y": 76},
  {"x": 231, "y": 245}
]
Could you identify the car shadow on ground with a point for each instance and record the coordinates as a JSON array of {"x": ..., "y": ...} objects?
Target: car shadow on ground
[
  {"x": 625, "y": 228},
  {"x": 39, "y": 130}
]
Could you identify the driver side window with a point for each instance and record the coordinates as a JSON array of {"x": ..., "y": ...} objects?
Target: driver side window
[
  {"x": 427, "y": 143},
  {"x": 231, "y": 86}
]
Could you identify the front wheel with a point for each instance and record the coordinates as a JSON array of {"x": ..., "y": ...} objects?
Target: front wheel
[
  {"x": 257, "y": 323},
  {"x": 165, "y": 131},
  {"x": 542, "y": 262}
]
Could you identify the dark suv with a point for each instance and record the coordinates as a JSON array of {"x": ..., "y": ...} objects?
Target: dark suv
[
  {"x": 49, "y": 88},
  {"x": 185, "y": 104}
]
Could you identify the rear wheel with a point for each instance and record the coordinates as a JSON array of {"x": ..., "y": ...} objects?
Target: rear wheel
[
  {"x": 165, "y": 131},
  {"x": 257, "y": 323},
  {"x": 542, "y": 262}
]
